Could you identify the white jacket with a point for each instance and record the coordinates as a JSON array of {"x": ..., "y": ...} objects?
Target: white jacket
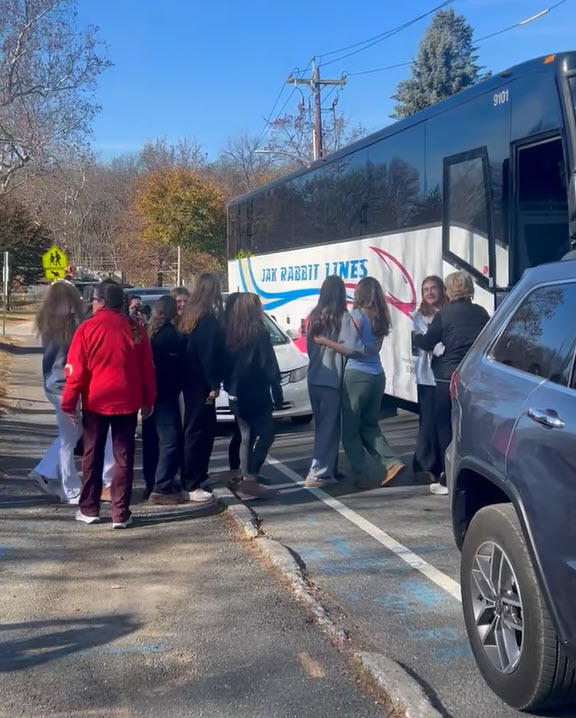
[{"x": 423, "y": 367}]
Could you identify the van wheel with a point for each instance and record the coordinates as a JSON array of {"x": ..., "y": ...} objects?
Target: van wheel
[
  {"x": 510, "y": 630},
  {"x": 299, "y": 420}
]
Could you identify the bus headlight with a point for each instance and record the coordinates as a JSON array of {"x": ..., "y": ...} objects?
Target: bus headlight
[{"x": 298, "y": 374}]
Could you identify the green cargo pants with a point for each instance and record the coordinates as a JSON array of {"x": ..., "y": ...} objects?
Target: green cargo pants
[{"x": 361, "y": 400}]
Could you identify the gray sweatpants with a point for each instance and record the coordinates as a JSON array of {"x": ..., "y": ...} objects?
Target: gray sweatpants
[{"x": 325, "y": 403}]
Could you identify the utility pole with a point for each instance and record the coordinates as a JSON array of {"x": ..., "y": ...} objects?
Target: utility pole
[{"x": 316, "y": 84}]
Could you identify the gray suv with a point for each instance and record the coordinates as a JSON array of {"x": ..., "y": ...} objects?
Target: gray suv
[{"x": 511, "y": 470}]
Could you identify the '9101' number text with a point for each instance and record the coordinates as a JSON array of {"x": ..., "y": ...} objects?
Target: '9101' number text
[{"x": 501, "y": 98}]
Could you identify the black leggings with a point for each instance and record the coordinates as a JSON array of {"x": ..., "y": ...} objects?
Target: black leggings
[
  {"x": 234, "y": 449},
  {"x": 443, "y": 403},
  {"x": 427, "y": 453},
  {"x": 257, "y": 436}
]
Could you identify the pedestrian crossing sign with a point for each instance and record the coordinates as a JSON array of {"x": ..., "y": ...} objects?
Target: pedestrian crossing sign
[{"x": 54, "y": 263}]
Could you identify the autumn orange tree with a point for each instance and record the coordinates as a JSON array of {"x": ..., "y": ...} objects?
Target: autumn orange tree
[{"x": 177, "y": 206}]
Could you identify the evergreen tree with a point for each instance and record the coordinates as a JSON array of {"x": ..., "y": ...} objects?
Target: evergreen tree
[{"x": 446, "y": 63}]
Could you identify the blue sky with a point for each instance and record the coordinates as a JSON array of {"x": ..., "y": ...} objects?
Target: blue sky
[{"x": 211, "y": 69}]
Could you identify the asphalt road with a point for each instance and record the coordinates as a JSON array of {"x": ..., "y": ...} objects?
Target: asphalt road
[
  {"x": 177, "y": 617},
  {"x": 387, "y": 558}
]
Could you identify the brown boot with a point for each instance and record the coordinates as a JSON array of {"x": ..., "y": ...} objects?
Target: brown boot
[
  {"x": 166, "y": 499},
  {"x": 106, "y": 495},
  {"x": 249, "y": 488},
  {"x": 393, "y": 472}
]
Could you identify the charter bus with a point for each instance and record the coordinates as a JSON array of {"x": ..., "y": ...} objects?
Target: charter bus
[{"x": 483, "y": 181}]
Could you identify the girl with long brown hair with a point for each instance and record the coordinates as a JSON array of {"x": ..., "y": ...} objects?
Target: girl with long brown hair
[
  {"x": 200, "y": 324},
  {"x": 427, "y": 461},
  {"x": 162, "y": 435},
  {"x": 56, "y": 323},
  {"x": 364, "y": 385},
  {"x": 252, "y": 380},
  {"x": 330, "y": 319}
]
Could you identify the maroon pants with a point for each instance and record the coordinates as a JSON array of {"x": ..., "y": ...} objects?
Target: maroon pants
[{"x": 123, "y": 428}]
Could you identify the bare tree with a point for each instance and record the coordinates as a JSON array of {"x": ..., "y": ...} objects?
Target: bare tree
[
  {"x": 48, "y": 73},
  {"x": 291, "y": 135},
  {"x": 248, "y": 164},
  {"x": 160, "y": 154}
]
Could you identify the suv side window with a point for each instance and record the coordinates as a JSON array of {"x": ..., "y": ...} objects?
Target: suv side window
[{"x": 540, "y": 339}]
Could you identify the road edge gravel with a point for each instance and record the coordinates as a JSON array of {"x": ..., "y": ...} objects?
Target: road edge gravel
[{"x": 403, "y": 695}]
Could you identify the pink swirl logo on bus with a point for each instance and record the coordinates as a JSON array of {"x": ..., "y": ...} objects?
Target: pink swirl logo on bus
[{"x": 272, "y": 300}]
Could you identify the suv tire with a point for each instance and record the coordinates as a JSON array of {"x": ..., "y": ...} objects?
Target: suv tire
[{"x": 542, "y": 676}]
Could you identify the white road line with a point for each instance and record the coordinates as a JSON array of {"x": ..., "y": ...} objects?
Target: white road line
[{"x": 440, "y": 579}]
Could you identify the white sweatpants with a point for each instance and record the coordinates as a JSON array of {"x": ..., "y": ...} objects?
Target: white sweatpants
[
  {"x": 59, "y": 464},
  {"x": 49, "y": 467}
]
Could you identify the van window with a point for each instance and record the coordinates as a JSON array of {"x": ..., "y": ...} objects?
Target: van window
[{"x": 540, "y": 339}]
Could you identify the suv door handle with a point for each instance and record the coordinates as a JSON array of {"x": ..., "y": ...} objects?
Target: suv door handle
[{"x": 546, "y": 417}]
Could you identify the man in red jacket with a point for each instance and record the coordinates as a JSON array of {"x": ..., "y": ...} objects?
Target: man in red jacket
[{"x": 110, "y": 367}]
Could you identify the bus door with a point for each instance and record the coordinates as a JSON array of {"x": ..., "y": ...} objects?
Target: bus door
[
  {"x": 540, "y": 220},
  {"x": 468, "y": 238}
]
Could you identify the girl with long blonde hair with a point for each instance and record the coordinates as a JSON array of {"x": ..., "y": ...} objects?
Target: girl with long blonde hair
[{"x": 56, "y": 323}]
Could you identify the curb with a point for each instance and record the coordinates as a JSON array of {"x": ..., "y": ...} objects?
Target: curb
[
  {"x": 403, "y": 695},
  {"x": 248, "y": 520}
]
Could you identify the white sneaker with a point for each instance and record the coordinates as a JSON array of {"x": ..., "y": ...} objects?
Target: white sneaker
[
  {"x": 42, "y": 483},
  {"x": 87, "y": 519},
  {"x": 200, "y": 496},
  {"x": 122, "y": 524},
  {"x": 438, "y": 489},
  {"x": 74, "y": 501},
  {"x": 317, "y": 482}
]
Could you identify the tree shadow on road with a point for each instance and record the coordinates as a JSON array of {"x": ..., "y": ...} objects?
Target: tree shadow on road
[{"x": 33, "y": 643}]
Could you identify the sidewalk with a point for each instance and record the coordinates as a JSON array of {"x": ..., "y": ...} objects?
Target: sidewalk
[{"x": 176, "y": 617}]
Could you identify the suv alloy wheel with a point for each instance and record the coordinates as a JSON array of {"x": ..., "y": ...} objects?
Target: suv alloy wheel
[{"x": 510, "y": 630}]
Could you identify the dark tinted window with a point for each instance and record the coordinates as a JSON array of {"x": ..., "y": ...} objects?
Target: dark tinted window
[
  {"x": 541, "y": 336},
  {"x": 395, "y": 195},
  {"x": 467, "y": 210},
  {"x": 372, "y": 190},
  {"x": 542, "y": 211}
]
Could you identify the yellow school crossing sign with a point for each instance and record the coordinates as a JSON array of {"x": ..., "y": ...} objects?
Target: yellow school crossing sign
[{"x": 54, "y": 263}]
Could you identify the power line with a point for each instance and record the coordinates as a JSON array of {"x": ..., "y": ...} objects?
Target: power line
[
  {"x": 522, "y": 23},
  {"x": 266, "y": 127},
  {"x": 378, "y": 69},
  {"x": 383, "y": 36},
  {"x": 267, "y": 122}
]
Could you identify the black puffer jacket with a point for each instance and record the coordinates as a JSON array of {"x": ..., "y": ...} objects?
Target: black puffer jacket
[{"x": 456, "y": 326}]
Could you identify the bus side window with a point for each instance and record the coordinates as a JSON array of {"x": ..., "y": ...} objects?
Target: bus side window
[{"x": 467, "y": 225}]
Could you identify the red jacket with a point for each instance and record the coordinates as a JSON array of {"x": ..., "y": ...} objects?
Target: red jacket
[{"x": 110, "y": 371}]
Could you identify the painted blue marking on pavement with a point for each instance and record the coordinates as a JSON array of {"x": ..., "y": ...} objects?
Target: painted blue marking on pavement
[
  {"x": 424, "y": 593},
  {"x": 342, "y": 546},
  {"x": 314, "y": 554},
  {"x": 389, "y": 565},
  {"x": 3, "y": 550},
  {"x": 453, "y": 653},
  {"x": 436, "y": 634},
  {"x": 124, "y": 650}
]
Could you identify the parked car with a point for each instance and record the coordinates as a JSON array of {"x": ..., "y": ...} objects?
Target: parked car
[
  {"x": 511, "y": 470},
  {"x": 294, "y": 369}
]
